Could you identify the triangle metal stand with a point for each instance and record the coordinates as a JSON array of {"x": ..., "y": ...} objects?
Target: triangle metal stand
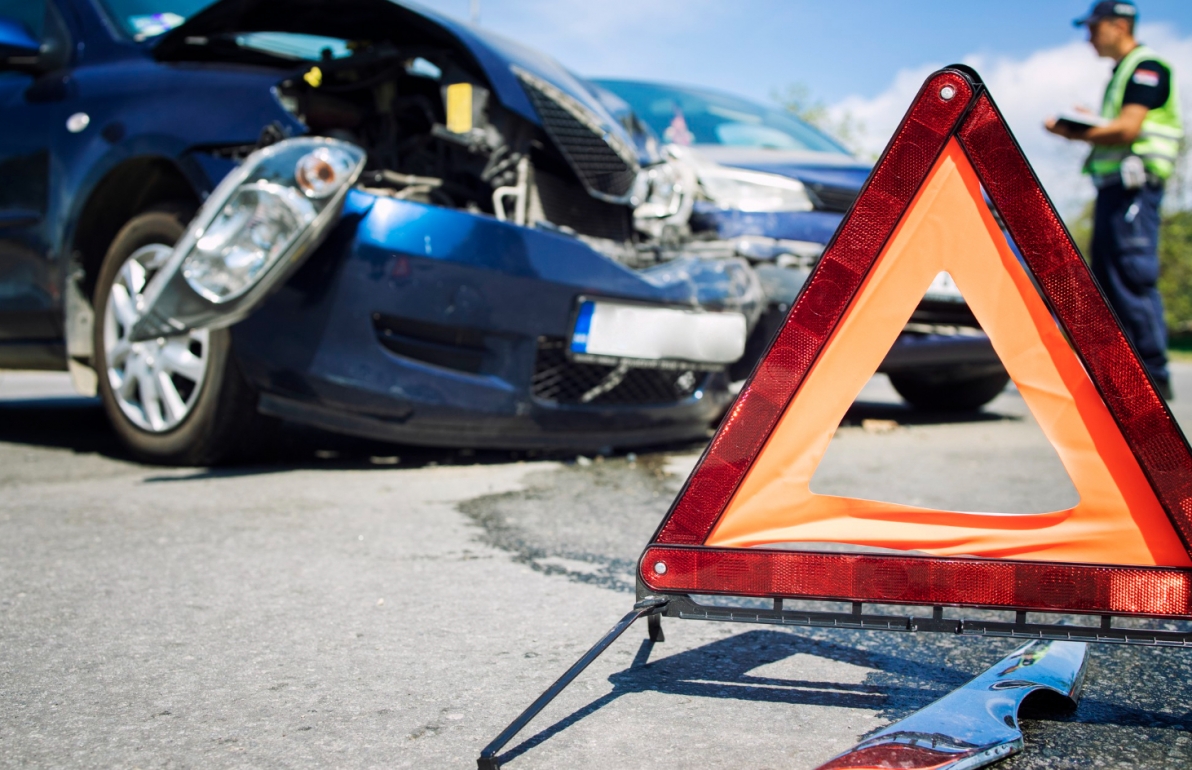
[
  {"x": 654, "y": 607},
  {"x": 651, "y": 608}
]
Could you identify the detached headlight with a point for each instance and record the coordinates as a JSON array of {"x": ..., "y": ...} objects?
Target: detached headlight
[
  {"x": 730, "y": 188},
  {"x": 249, "y": 234},
  {"x": 253, "y": 231}
]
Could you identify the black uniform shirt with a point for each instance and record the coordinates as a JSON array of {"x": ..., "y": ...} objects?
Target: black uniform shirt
[{"x": 1150, "y": 85}]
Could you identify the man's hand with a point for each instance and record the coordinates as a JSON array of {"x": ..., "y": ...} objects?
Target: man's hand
[
  {"x": 1124, "y": 129},
  {"x": 1062, "y": 129}
]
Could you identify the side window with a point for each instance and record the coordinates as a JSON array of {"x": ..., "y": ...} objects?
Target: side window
[
  {"x": 45, "y": 22},
  {"x": 32, "y": 13}
]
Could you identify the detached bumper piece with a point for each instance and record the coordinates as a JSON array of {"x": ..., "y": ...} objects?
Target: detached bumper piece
[
  {"x": 976, "y": 725},
  {"x": 971, "y": 727}
]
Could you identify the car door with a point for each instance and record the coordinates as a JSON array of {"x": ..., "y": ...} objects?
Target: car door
[{"x": 31, "y": 104}]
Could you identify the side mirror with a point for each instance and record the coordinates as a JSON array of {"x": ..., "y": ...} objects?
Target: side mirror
[{"x": 18, "y": 48}]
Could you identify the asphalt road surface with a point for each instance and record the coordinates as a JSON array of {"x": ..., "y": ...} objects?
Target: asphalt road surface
[{"x": 351, "y": 604}]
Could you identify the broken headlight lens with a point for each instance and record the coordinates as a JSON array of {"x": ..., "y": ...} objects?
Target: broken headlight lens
[
  {"x": 731, "y": 188},
  {"x": 256, "y": 226},
  {"x": 660, "y": 190}
]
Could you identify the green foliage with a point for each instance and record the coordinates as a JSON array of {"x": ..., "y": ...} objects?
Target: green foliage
[
  {"x": 796, "y": 99},
  {"x": 1175, "y": 271},
  {"x": 1175, "y": 264},
  {"x": 1175, "y": 253}
]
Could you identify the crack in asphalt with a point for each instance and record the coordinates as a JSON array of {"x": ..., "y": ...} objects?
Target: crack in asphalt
[{"x": 560, "y": 523}]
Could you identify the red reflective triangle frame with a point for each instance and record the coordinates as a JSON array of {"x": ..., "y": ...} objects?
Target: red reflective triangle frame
[{"x": 952, "y": 105}]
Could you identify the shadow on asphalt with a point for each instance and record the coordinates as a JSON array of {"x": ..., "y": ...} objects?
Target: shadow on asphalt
[
  {"x": 1095, "y": 711},
  {"x": 80, "y": 425},
  {"x": 904, "y": 683},
  {"x": 77, "y": 424},
  {"x": 905, "y": 415},
  {"x": 721, "y": 669}
]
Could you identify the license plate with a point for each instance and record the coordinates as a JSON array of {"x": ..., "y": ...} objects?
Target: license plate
[
  {"x": 944, "y": 288},
  {"x": 655, "y": 334}
]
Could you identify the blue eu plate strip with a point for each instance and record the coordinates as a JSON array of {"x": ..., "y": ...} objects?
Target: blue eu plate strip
[{"x": 583, "y": 323}]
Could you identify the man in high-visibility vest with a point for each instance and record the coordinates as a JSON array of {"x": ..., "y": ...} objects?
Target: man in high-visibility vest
[{"x": 1135, "y": 146}]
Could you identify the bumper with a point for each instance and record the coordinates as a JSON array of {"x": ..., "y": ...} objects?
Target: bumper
[
  {"x": 938, "y": 351},
  {"x": 424, "y": 325},
  {"x": 968, "y": 351},
  {"x": 540, "y": 429}
]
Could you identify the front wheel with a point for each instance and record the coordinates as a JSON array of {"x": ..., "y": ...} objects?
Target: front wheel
[
  {"x": 948, "y": 392},
  {"x": 179, "y": 400}
]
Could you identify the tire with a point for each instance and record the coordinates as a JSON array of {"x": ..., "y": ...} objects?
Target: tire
[
  {"x": 218, "y": 419},
  {"x": 949, "y": 392}
]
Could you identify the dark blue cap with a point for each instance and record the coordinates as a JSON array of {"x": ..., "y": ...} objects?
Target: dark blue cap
[{"x": 1108, "y": 9}]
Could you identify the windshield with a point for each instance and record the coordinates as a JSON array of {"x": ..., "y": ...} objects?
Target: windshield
[
  {"x": 31, "y": 14},
  {"x": 695, "y": 116},
  {"x": 143, "y": 19}
]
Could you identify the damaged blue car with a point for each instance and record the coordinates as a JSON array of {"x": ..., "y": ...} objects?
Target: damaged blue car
[
  {"x": 354, "y": 214},
  {"x": 779, "y": 188}
]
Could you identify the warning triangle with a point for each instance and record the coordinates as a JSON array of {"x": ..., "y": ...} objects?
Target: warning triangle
[
  {"x": 1123, "y": 548},
  {"x": 1118, "y": 519}
]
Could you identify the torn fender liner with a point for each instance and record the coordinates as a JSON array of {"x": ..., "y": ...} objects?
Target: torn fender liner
[{"x": 976, "y": 725}]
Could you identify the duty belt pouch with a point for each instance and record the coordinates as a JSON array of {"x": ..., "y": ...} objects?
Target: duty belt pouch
[{"x": 1133, "y": 172}]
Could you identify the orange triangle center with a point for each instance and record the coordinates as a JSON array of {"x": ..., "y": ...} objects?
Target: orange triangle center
[{"x": 948, "y": 227}]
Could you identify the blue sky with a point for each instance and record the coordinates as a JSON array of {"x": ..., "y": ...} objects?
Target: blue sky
[
  {"x": 750, "y": 47},
  {"x": 863, "y": 58}
]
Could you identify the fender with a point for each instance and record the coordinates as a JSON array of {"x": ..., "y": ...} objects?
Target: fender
[{"x": 125, "y": 135}]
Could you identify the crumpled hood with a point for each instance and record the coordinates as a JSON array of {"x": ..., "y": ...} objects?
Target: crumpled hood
[{"x": 401, "y": 22}]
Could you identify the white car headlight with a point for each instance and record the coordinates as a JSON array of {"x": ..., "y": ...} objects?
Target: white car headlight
[
  {"x": 263, "y": 219},
  {"x": 731, "y": 188},
  {"x": 256, "y": 226},
  {"x": 253, "y": 231}
]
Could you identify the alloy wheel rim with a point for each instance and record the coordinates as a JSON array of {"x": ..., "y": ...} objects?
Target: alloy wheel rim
[{"x": 155, "y": 382}]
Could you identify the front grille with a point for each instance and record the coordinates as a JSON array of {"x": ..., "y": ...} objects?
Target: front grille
[
  {"x": 829, "y": 198},
  {"x": 602, "y": 162},
  {"x": 566, "y": 203},
  {"x": 558, "y": 380}
]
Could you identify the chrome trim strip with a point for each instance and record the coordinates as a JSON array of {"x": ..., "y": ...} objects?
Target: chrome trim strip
[{"x": 977, "y": 724}]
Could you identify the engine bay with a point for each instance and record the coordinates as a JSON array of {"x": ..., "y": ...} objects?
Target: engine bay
[{"x": 436, "y": 134}]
